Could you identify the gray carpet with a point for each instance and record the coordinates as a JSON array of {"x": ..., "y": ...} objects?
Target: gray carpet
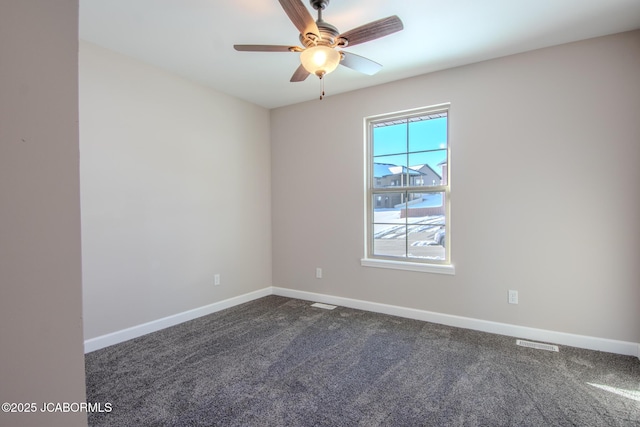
[{"x": 280, "y": 362}]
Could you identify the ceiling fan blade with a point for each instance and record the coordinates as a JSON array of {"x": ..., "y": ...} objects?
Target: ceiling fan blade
[
  {"x": 300, "y": 16},
  {"x": 360, "y": 63},
  {"x": 300, "y": 75},
  {"x": 262, "y": 48},
  {"x": 373, "y": 30}
]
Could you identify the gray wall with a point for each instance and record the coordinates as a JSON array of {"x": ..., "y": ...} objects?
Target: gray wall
[
  {"x": 41, "y": 353},
  {"x": 554, "y": 134},
  {"x": 176, "y": 188}
]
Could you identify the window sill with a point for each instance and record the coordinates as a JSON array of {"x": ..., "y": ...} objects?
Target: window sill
[{"x": 409, "y": 266}]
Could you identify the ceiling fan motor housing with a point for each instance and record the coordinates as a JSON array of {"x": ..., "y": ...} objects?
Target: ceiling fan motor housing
[{"x": 328, "y": 33}]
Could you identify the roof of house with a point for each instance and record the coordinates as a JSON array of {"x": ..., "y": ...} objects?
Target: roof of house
[{"x": 380, "y": 170}]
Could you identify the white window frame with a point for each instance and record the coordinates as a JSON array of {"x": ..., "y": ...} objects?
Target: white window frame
[{"x": 409, "y": 264}]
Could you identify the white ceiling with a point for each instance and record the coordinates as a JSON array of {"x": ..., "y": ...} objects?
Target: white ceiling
[{"x": 195, "y": 38}]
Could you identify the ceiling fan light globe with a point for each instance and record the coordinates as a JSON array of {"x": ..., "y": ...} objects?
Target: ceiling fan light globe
[{"x": 320, "y": 60}]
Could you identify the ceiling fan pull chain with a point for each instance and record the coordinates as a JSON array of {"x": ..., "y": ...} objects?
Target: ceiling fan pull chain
[{"x": 321, "y": 88}]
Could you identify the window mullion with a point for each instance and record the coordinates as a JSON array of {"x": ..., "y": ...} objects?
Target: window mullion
[
  {"x": 406, "y": 193},
  {"x": 406, "y": 225}
]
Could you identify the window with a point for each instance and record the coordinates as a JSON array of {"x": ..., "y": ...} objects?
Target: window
[{"x": 407, "y": 191}]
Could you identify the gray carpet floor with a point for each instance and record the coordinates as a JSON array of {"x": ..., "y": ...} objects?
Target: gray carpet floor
[{"x": 280, "y": 362}]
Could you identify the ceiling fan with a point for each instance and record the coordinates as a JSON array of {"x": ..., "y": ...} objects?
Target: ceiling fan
[{"x": 320, "y": 39}]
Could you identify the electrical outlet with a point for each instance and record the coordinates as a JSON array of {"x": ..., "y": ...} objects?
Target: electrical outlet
[
  {"x": 318, "y": 273},
  {"x": 216, "y": 279},
  {"x": 513, "y": 297}
]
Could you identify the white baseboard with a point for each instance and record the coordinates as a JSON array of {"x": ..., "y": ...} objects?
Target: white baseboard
[
  {"x": 136, "y": 331},
  {"x": 562, "y": 338}
]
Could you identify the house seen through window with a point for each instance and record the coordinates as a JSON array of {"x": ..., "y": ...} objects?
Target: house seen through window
[{"x": 408, "y": 187}]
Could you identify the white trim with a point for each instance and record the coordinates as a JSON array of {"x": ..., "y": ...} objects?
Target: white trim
[
  {"x": 580, "y": 341},
  {"x": 562, "y": 338},
  {"x": 409, "y": 266},
  {"x": 117, "y": 337}
]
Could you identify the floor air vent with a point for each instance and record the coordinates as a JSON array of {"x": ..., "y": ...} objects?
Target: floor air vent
[
  {"x": 537, "y": 345},
  {"x": 325, "y": 306}
]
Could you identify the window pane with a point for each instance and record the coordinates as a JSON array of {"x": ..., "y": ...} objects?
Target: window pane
[
  {"x": 426, "y": 242},
  {"x": 413, "y": 221},
  {"x": 387, "y": 207},
  {"x": 429, "y": 167},
  {"x": 391, "y": 247},
  {"x": 389, "y": 226},
  {"x": 390, "y": 139},
  {"x": 390, "y": 171},
  {"x": 428, "y": 134},
  {"x": 426, "y": 226},
  {"x": 425, "y": 204}
]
